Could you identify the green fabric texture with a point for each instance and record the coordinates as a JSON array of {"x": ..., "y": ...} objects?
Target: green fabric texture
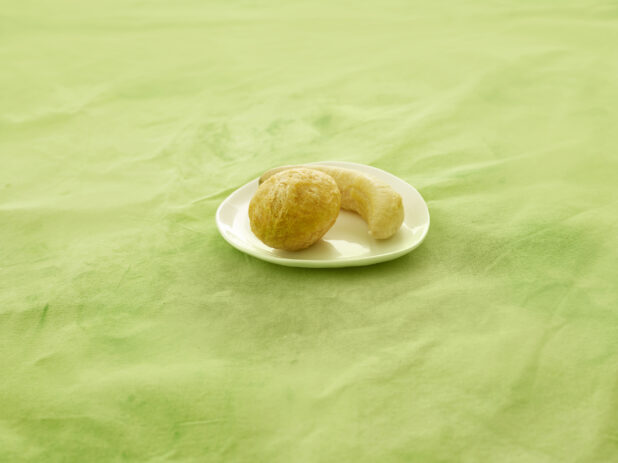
[{"x": 131, "y": 331}]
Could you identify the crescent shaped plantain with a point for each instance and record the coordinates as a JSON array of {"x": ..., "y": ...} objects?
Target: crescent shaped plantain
[{"x": 376, "y": 202}]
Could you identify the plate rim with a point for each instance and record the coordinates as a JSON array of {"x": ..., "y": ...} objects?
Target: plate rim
[{"x": 329, "y": 263}]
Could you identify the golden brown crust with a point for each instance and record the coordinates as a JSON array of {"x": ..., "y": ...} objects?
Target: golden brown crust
[
  {"x": 375, "y": 201},
  {"x": 293, "y": 209}
]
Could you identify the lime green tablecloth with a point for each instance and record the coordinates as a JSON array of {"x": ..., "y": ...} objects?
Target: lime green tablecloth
[{"x": 131, "y": 331}]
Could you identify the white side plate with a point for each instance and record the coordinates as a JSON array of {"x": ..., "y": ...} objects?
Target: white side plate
[{"x": 346, "y": 244}]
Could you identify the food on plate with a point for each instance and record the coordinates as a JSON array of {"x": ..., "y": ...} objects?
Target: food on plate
[
  {"x": 294, "y": 208},
  {"x": 376, "y": 202}
]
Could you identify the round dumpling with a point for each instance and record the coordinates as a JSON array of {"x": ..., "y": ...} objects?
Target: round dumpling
[{"x": 294, "y": 208}]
